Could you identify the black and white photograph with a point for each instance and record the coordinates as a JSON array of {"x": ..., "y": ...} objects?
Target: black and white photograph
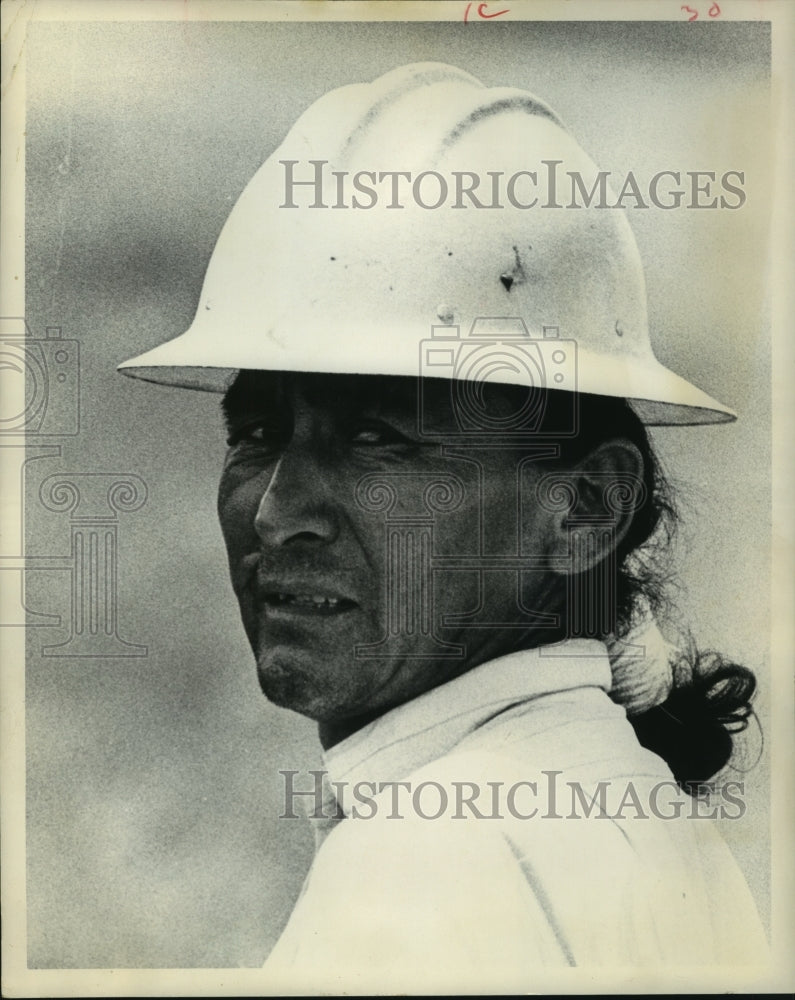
[{"x": 396, "y": 528}]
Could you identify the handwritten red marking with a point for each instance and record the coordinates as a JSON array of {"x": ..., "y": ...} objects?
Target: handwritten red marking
[
  {"x": 482, "y": 11},
  {"x": 691, "y": 11},
  {"x": 466, "y": 13},
  {"x": 714, "y": 10}
]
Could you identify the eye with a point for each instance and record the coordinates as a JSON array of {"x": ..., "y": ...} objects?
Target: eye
[
  {"x": 376, "y": 433},
  {"x": 261, "y": 435}
]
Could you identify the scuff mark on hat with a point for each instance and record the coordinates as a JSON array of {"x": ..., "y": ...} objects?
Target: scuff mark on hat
[
  {"x": 517, "y": 275},
  {"x": 270, "y": 334}
]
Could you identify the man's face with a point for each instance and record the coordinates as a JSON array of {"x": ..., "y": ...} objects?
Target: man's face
[{"x": 314, "y": 560}]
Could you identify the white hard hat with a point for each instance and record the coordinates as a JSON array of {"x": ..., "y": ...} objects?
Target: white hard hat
[{"x": 365, "y": 290}]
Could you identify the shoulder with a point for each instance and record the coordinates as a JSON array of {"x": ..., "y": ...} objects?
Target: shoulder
[
  {"x": 625, "y": 869},
  {"x": 397, "y": 892},
  {"x": 491, "y": 861}
]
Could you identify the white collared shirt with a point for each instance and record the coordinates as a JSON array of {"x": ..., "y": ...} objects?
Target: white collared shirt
[{"x": 559, "y": 842}]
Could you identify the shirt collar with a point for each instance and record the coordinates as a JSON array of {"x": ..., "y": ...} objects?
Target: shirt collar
[{"x": 431, "y": 725}]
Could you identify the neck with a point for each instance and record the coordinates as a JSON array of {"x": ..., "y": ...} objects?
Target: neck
[{"x": 333, "y": 731}]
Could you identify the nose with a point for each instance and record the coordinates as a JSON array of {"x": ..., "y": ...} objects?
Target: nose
[{"x": 298, "y": 505}]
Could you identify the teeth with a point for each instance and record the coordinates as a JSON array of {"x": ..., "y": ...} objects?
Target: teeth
[{"x": 309, "y": 600}]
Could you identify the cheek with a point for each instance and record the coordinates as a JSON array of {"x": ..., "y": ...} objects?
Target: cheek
[
  {"x": 237, "y": 505},
  {"x": 500, "y": 516},
  {"x": 458, "y": 531},
  {"x": 536, "y": 520}
]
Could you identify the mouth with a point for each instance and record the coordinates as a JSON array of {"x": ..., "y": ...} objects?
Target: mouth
[{"x": 323, "y": 605}]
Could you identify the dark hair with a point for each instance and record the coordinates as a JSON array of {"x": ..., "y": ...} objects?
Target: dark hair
[{"x": 693, "y": 729}]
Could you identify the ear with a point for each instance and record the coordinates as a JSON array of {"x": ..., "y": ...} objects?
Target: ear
[{"x": 604, "y": 489}]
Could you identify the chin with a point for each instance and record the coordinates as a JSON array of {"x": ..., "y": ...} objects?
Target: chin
[{"x": 287, "y": 679}]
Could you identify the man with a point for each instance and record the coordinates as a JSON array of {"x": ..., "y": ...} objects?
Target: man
[{"x": 454, "y": 574}]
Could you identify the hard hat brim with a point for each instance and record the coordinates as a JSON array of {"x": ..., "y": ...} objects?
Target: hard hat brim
[{"x": 659, "y": 396}]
